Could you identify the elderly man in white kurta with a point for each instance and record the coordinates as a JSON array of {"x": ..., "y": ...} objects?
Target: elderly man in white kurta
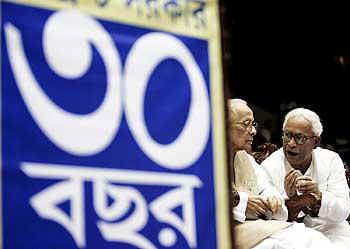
[
  {"x": 260, "y": 215},
  {"x": 302, "y": 167}
]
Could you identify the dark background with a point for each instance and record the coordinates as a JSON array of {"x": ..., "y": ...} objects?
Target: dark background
[{"x": 293, "y": 56}]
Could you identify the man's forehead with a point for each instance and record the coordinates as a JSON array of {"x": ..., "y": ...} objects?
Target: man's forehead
[{"x": 299, "y": 123}]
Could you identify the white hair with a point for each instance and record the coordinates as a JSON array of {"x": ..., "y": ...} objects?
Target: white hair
[
  {"x": 232, "y": 103},
  {"x": 309, "y": 116}
]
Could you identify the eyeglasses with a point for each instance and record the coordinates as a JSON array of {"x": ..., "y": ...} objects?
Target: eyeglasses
[
  {"x": 248, "y": 125},
  {"x": 298, "y": 138}
]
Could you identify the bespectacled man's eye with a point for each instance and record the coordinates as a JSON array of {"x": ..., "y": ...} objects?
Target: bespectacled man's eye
[
  {"x": 246, "y": 123},
  {"x": 300, "y": 139},
  {"x": 287, "y": 135}
]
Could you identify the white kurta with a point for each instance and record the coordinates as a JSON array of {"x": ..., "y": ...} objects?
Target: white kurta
[
  {"x": 327, "y": 170},
  {"x": 294, "y": 236}
]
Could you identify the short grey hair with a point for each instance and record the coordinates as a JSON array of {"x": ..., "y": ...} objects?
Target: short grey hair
[{"x": 309, "y": 116}]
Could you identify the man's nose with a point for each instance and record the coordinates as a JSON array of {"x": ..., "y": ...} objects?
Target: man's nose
[
  {"x": 253, "y": 131},
  {"x": 292, "y": 142}
]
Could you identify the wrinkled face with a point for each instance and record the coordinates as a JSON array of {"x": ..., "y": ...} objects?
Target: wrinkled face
[
  {"x": 298, "y": 130},
  {"x": 241, "y": 130}
]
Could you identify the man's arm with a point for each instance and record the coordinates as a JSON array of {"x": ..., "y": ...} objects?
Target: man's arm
[
  {"x": 239, "y": 210},
  {"x": 335, "y": 202},
  {"x": 253, "y": 207}
]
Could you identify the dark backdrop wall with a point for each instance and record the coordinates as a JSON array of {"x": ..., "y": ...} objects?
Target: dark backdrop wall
[{"x": 292, "y": 56}]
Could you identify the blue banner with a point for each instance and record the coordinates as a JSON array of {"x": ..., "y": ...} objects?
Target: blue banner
[{"x": 106, "y": 133}]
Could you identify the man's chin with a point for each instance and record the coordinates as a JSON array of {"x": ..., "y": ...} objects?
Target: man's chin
[
  {"x": 248, "y": 147},
  {"x": 292, "y": 159}
]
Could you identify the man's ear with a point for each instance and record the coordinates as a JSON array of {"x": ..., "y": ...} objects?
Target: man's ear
[{"x": 317, "y": 142}]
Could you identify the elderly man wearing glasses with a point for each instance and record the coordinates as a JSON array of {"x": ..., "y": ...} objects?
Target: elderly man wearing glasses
[
  {"x": 301, "y": 167},
  {"x": 258, "y": 211}
]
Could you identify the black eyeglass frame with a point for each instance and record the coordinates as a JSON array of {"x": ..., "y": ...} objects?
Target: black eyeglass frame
[
  {"x": 249, "y": 126},
  {"x": 299, "y": 139}
]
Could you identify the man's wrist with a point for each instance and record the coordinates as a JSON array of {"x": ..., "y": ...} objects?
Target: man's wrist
[
  {"x": 317, "y": 207},
  {"x": 291, "y": 195},
  {"x": 235, "y": 198},
  {"x": 319, "y": 200}
]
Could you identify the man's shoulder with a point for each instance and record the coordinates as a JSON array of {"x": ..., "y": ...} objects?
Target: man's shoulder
[
  {"x": 327, "y": 161},
  {"x": 242, "y": 157},
  {"x": 326, "y": 153},
  {"x": 278, "y": 155},
  {"x": 274, "y": 161}
]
